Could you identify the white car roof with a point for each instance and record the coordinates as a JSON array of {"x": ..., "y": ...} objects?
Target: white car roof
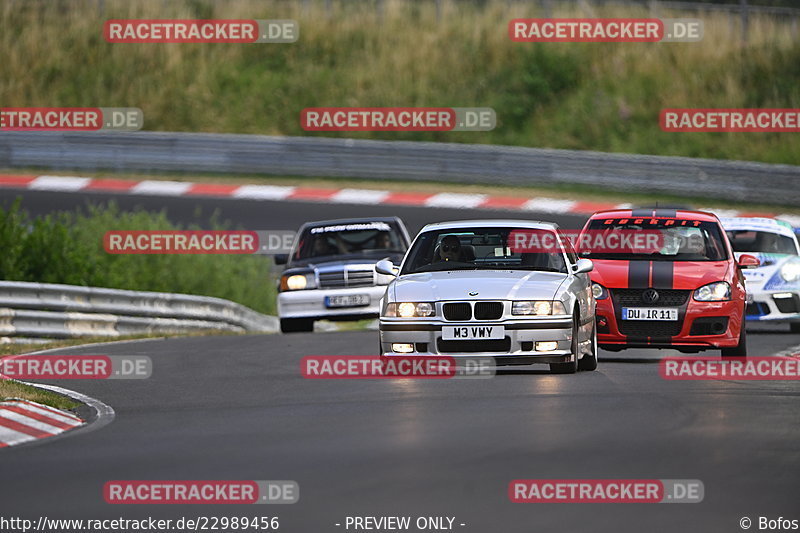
[
  {"x": 492, "y": 223},
  {"x": 757, "y": 224}
]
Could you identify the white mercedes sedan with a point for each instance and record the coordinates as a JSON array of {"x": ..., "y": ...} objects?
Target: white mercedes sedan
[{"x": 513, "y": 290}]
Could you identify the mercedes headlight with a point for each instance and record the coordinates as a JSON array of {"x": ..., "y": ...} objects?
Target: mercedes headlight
[
  {"x": 538, "y": 307},
  {"x": 790, "y": 271},
  {"x": 297, "y": 282},
  {"x": 600, "y": 292},
  {"x": 409, "y": 309},
  {"x": 713, "y": 292}
]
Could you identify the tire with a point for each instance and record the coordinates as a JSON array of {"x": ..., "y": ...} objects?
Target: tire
[
  {"x": 297, "y": 325},
  {"x": 571, "y": 367},
  {"x": 794, "y": 327},
  {"x": 740, "y": 350},
  {"x": 589, "y": 362}
]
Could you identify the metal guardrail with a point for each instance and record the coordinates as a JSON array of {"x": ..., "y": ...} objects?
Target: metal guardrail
[
  {"x": 404, "y": 160},
  {"x": 39, "y": 310}
]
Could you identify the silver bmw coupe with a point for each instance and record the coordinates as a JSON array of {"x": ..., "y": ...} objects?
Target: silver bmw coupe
[{"x": 513, "y": 290}]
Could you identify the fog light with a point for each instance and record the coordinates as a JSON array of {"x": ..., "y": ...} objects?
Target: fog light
[
  {"x": 402, "y": 348},
  {"x": 546, "y": 346},
  {"x": 782, "y": 295}
]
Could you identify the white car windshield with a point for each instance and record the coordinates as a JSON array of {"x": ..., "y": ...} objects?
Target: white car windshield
[
  {"x": 761, "y": 242},
  {"x": 483, "y": 249},
  {"x": 347, "y": 239}
]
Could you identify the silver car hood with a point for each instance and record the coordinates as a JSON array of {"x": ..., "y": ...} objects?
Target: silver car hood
[{"x": 489, "y": 285}]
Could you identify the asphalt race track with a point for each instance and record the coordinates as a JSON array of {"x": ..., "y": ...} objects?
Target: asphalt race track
[{"x": 236, "y": 407}]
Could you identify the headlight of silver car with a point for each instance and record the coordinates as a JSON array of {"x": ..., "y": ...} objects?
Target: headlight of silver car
[
  {"x": 790, "y": 271},
  {"x": 538, "y": 307},
  {"x": 713, "y": 292},
  {"x": 409, "y": 309},
  {"x": 297, "y": 282}
]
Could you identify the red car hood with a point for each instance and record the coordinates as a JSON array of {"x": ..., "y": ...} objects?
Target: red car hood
[{"x": 688, "y": 275}]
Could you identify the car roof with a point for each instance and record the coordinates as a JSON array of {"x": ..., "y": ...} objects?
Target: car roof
[
  {"x": 656, "y": 212},
  {"x": 490, "y": 223},
  {"x": 758, "y": 224}
]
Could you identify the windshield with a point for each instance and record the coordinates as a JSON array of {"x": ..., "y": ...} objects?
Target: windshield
[
  {"x": 347, "y": 239},
  {"x": 761, "y": 241},
  {"x": 481, "y": 249},
  {"x": 667, "y": 239}
]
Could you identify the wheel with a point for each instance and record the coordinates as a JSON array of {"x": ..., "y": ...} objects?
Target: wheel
[
  {"x": 572, "y": 366},
  {"x": 740, "y": 350},
  {"x": 296, "y": 325},
  {"x": 794, "y": 327},
  {"x": 589, "y": 362}
]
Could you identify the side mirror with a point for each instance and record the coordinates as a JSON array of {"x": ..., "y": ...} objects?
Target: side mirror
[
  {"x": 281, "y": 259},
  {"x": 748, "y": 261},
  {"x": 385, "y": 267},
  {"x": 583, "y": 266}
]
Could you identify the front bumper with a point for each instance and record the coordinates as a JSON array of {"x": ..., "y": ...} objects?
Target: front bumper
[
  {"x": 311, "y": 303},
  {"x": 687, "y": 335},
  {"x": 518, "y": 346},
  {"x": 766, "y": 307}
]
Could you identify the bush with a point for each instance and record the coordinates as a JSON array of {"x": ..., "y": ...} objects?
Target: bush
[{"x": 67, "y": 247}]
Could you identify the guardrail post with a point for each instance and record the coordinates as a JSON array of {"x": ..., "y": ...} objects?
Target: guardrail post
[
  {"x": 547, "y": 6},
  {"x": 745, "y": 19},
  {"x": 653, "y": 8}
]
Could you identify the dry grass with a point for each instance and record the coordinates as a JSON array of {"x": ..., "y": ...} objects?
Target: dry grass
[{"x": 582, "y": 96}]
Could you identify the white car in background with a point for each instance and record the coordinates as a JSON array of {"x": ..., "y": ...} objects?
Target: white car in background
[
  {"x": 330, "y": 272},
  {"x": 773, "y": 289}
]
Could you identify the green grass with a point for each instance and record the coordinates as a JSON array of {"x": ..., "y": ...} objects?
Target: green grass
[
  {"x": 14, "y": 389},
  {"x": 66, "y": 247},
  {"x": 603, "y": 96}
]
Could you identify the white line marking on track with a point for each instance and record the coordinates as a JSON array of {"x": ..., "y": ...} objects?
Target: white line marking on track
[
  {"x": 29, "y": 422},
  {"x": 263, "y": 192},
  {"x": 456, "y": 200},
  {"x": 59, "y": 183},
  {"x": 49, "y": 412},
  {"x": 9, "y": 437},
  {"x": 161, "y": 188},
  {"x": 359, "y": 196},
  {"x": 548, "y": 205}
]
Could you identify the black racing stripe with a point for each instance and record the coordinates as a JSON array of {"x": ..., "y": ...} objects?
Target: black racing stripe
[
  {"x": 639, "y": 274},
  {"x": 642, "y": 213},
  {"x": 666, "y": 213},
  {"x": 663, "y": 274}
]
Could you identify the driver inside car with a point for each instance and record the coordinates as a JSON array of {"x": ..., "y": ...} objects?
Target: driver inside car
[{"x": 449, "y": 249}]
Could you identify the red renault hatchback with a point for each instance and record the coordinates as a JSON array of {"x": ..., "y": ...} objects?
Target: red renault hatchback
[{"x": 665, "y": 278}]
